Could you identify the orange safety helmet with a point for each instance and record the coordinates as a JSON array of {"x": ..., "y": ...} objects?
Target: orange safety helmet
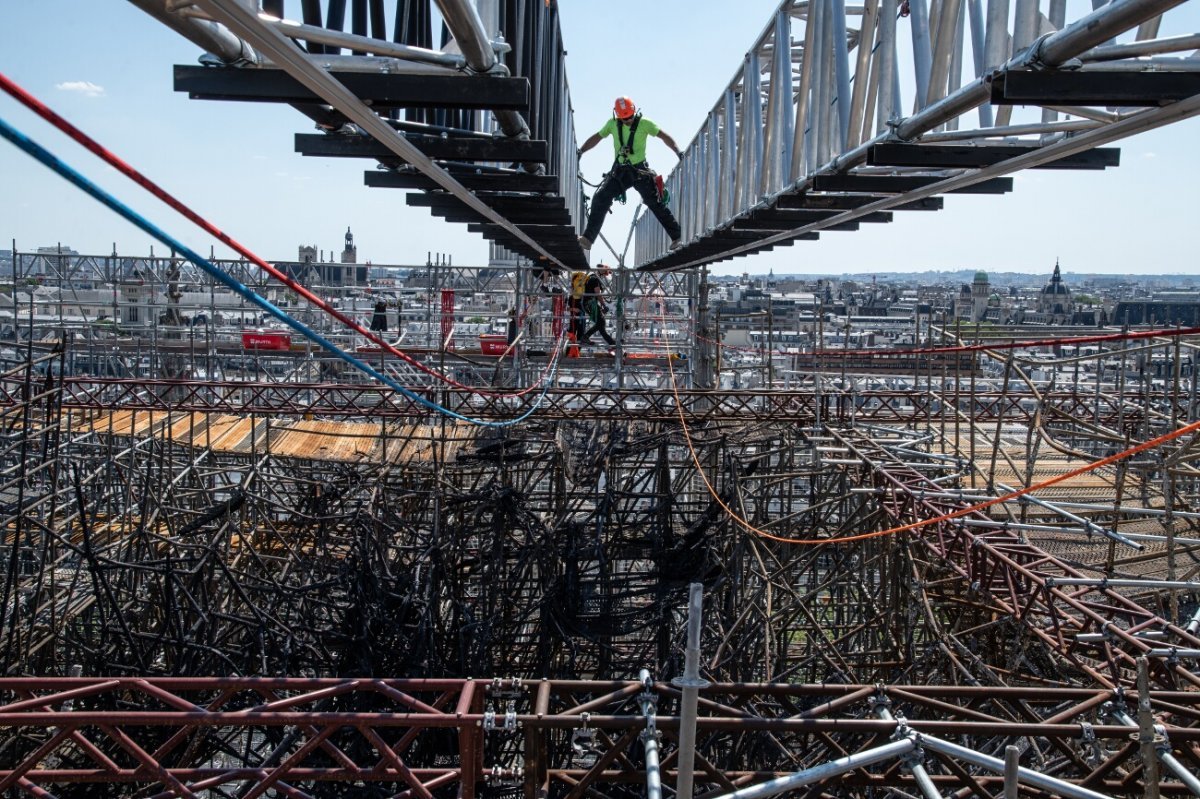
[{"x": 624, "y": 108}]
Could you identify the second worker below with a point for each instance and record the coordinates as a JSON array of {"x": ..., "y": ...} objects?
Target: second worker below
[{"x": 629, "y": 130}]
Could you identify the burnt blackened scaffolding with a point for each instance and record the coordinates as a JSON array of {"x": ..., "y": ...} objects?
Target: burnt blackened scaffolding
[{"x": 174, "y": 526}]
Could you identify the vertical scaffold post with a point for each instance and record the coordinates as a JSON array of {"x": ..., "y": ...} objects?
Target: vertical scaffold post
[
  {"x": 649, "y": 702},
  {"x": 690, "y": 684}
]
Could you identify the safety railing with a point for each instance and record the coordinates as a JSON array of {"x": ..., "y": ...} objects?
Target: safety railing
[{"x": 824, "y": 81}]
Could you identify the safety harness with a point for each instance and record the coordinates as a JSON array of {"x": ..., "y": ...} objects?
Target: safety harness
[
  {"x": 624, "y": 152},
  {"x": 626, "y": 149}
]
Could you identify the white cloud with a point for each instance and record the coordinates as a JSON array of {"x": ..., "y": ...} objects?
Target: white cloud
[
  {"x": 84, "y": 87},
  {"x": 1149, "y": 155}
]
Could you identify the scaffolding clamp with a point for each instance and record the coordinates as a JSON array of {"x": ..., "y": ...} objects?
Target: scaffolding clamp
[
  {"x": 510, "y": 718},
  {"x": 499, "y": 776},
  {"x": 1162, "y": 743}
]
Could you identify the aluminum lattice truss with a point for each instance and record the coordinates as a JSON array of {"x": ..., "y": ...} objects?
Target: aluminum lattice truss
[
  {"x": 483, "y": 124},
  {"x": 842, "y": 114}
]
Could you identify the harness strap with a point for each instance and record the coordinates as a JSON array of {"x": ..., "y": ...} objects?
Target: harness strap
[{"x": 627, "y": 147}]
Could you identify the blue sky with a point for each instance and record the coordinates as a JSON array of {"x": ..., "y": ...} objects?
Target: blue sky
[{"x": 106, "y": 66}]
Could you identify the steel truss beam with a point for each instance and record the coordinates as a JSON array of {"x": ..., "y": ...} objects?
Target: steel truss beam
[
  {"x": 519, "y": 77},
  {"x": 820, "y": 103},
  {"x": 1014, "y": 577},
  {"x": 834, "y": 406},
  {"x": 547, "y": 737}
]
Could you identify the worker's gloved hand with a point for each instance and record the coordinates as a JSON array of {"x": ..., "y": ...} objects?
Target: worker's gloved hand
[{"x": 679, "y": 154}]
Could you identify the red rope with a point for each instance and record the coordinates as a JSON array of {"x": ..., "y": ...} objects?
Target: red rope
[{"x": 39, "y": 108}]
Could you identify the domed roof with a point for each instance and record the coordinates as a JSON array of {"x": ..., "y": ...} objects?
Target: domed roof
[
  {"x": 981, "y": 277},
  {"x": 1056, "y": 286}
]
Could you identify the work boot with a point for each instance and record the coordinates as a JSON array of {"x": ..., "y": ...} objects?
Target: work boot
[
  {"x": 585, "y": 242},
  {"x": 675, "y": 245}
]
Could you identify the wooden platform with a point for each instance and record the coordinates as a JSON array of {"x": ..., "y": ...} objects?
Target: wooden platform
[{"x": 340, "y": 441}]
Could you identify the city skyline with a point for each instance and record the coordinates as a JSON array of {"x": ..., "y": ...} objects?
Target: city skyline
[{"x": 233, "y": 162}]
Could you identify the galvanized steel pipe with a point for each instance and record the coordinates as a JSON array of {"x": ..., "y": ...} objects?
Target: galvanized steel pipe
[
  {"x": 1104, "y": 582},
  {"x": 690, "y": 685},
  {"x": 826, "y": 770},
  {"x": 213, "y": 37},
  {"x": 1051, "y": 51},
  {"x": 466, "y": 26},
  {"x": 1163, "y": 750},
  {"x": 1171, "y": 44},
  {"x": 366, "y": 44},
  {"x": 912, "y": 763},
  {"x": 285, "y": 55},
  {"x": 650, "y": 738},
  {"x": 1087, "y": 524},
  {"x": 1027, "y": 776}
]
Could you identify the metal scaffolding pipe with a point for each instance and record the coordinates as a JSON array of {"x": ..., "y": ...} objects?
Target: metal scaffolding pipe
[
  {"x": 978, "y": 52},
  {"x": 1171, "y": 44},
  {"x": 213, "y": 37},
  {"x": 1051, "y": 51},
  {"x": 1097, "y": 27},
  {"x": 650, "y": 737},
  {"x": 1168, "y": 759},
  {"x": 1086, "y": 523},
  {"x": 1105, "y": 582},
  {"x": 285, "y": 55},
  {"x": 1162, "y": 748},
  {"x": 1095, "y": 638},
  {"x": 690, "y": 685},
  {"x": 1032, "y": 128},
  {"x": 1012, "y": 765},
  {"x": 886, "y": 105},
  {"x": 466, "y": 26},
  {"x": 827, "y": 770},
  {"x": 366, "y": 44},
  {"x": 913, "y": 761},
  {"x": 922, "y": 49},
  {"x": 1027, "y": 776},
  {"x": 944, "y": 46},
  {"x": 1193, "y": 626},
  {"x": 995, "y": 46}
]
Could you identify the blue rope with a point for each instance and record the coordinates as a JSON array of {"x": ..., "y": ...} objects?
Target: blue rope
[{"x": 47, "y": 158}]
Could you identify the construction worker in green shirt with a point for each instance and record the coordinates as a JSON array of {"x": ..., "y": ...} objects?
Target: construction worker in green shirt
[{"x": 629, "y": 130}]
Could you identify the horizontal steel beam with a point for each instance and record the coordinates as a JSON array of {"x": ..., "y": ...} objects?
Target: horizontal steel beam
[
  {"x": 481, "y": 182},
  {"x": 448, "y": 148},
  {"x": 977, "y": 156},
  {"x": 901, "y": 184},
  {"x": 1019, "y": 87},
  {"x": 379, "y": 91}
]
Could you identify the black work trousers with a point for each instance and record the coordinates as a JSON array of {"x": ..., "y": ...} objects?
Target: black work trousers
[
  {"x": 620, "y": 179},
  {"x": 595, "y": 312}
]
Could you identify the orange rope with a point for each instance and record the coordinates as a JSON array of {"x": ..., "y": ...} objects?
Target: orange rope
[{"x": 742, "y": 522}]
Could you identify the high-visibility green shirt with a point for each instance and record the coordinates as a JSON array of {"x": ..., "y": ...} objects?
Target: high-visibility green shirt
[{"x": 645, "y": 129}]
